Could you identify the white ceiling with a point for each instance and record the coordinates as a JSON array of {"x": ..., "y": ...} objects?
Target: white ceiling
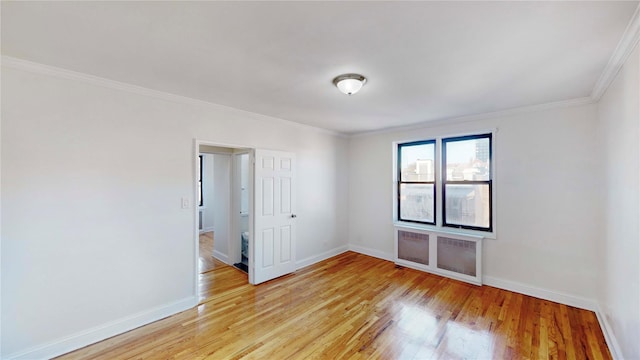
[{"x": 424, "y": 60}]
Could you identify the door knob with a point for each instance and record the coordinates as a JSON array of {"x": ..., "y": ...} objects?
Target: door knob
[{"x": 294, "y": 216}]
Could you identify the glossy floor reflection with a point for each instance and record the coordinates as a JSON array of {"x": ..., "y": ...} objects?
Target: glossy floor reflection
[
  {"x": 357, "y": 307},
  {"x": 206, "y": 261}
]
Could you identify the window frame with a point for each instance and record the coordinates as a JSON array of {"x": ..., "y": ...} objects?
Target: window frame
[
  {"x": 438, "y": 198},
  {"x": 444, "y": 182},
  {"x": 400, "y": 181}
]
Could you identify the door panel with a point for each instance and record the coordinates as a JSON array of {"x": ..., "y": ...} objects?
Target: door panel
[
  {"x": 274, "y": 224},
  {"x": 267, "y": 196}
]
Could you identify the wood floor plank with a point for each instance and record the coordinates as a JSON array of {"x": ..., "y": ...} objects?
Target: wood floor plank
[
  {"x": 357, "y": 307},
  {"x": 207, "y": 262}
]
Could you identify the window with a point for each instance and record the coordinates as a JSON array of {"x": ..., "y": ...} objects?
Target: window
[
  {"x": 200, "y": 200},
  {"x": 417, "y": 182},
  {"x": 458, "y": 182},
  {"x": 466, "y": 182}
]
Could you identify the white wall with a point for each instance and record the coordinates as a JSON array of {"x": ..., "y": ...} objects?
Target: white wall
[
  {"x": 222, "y": 205},
  {"x": 547, "y": 213},
  {"x": 619, "y": 246},
  {"x": 92, "y": 179},
  {"x": 244, "y": 191},
  {"x": 244, "y": 186},
  {"x": 208, "y": 199}
]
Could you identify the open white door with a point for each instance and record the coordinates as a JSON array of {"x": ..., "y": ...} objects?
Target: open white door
[{"x": 274, "y": 230}]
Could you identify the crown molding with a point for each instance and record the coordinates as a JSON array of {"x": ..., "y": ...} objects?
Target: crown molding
[
  {"x": 620, "y": 55},
  {"x": 38, "y": 68},
  {"x": 482, "y": 116}
]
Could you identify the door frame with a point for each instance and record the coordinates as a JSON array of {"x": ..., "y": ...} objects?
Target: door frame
[
  {"x": 236, "y": 193},
  {"x": 234, "y": 233}
]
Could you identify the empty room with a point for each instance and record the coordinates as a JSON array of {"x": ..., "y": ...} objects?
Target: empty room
[{"x": 320, "y": 180}]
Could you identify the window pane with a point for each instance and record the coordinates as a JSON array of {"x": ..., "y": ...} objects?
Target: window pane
[
  {"x": 417, "y": 162},
  {"x": 467, "y": 205},
  {"x": 416, "y": 202},
  {"x": 468, "y": 159}
]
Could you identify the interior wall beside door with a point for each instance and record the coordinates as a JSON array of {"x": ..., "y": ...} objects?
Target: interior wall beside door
[
  {"x": 208, "y": 199},
  {"x": 124, "y": 219},
  {"x": 221, "y": 206},
  {"x": 244, "y": 192}
]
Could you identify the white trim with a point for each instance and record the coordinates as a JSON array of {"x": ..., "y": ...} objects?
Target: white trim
[
  {"x": 220, "y": 256},
  {"x": 609, "y": 336},
  {"x": 625, "y": 47},
  {"x": 439, "y": 272},
  {"x": 196, "y": 219},
  {"x": 99, "y": 333},
  {"x": 321, "y": 257},
  {"x": 206, "y": 230},
  {"x": 555, "y": 296},
  {"x": 475, "y": 117},
  {"x": 0, "y": 218},
  {"x": 371, "y": 252},
  {"x": 39, "y": 68}
]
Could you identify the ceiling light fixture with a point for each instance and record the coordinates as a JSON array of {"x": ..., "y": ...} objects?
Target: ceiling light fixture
[{"x": 349, "y": 83}]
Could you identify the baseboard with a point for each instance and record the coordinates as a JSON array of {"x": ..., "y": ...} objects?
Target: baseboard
[
  {"x": 371, "y": 252},
  {"x": 324, "y": 256},
  {"x": 220, "y": 256},
  {"x": 559, "y": 297},
  {"x": 206, "y": 230},
  {"x": 607, "y": 330},
  {"x": 562, "y": 298},
  {"x": 99, "y": 333}
]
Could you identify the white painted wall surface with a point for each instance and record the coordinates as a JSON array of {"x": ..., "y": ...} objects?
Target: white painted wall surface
[
  {"x": 92, "y": 180},
  {"x": 619, "y": 246},
  {"x": 208, "y": 192},
  {"x": 546, "y": 184},
  {"x": 222, "y": 205},
  {"x": 243, "y": 160}
]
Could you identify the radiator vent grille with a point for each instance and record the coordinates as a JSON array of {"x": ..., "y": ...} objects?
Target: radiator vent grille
[
  {"x": 457, "y": 255},
  {"x": 413, "y": 247}
]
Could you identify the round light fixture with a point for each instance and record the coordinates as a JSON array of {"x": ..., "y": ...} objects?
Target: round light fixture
[{"x": 349, "y": 83}]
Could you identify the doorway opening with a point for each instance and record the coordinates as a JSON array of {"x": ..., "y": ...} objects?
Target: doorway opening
[
  {"x": 223, "y": 207},
  {"x": 249, "y": 209}
]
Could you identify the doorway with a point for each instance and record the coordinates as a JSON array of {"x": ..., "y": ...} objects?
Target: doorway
[
  {"x": 219, "y": 209},
  {"x": 254, "y": 219}
]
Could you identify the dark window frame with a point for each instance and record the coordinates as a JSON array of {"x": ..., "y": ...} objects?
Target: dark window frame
[
  {"x": 200, "y": 183},
  {"x": 446, "y": 182},
  {"x": 400, "y": 181}
]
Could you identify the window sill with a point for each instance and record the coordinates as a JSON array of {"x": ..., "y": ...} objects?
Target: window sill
[{"x": 445, "y": 230}]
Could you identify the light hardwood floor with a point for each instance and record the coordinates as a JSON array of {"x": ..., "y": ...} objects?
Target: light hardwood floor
[
  {"x": 207, "y": 262},
  {"x": 357, "y": 307}
]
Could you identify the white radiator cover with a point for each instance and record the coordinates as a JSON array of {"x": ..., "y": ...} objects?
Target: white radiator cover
[{"x": 454, "y": 255}]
